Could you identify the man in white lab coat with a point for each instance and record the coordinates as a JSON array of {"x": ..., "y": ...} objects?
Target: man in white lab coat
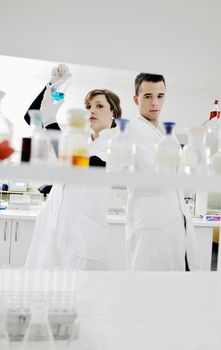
[{"x": 159, "y": 231}]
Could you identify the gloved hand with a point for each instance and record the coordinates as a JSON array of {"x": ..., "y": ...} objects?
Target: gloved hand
[
  {"x": 48, "y": 108},
  {"x": 59, "y": 75}
]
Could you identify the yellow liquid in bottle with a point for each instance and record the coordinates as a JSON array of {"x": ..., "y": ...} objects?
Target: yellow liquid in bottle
[
  {"x": 80, "y": 158},
  {"x": 80, "y": 161}
]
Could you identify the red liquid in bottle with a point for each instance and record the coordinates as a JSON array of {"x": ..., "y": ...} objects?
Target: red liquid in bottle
[{"x": 214, "y": 114}]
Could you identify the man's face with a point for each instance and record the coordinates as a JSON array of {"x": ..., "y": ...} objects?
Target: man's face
[{"x": 150, "y": 100}]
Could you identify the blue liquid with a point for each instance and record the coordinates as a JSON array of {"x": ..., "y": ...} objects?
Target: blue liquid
[{"x": 57, "y": 96}]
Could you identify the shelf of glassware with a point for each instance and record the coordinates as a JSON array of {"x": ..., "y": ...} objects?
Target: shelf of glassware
[{"x": 94, "y": 176}]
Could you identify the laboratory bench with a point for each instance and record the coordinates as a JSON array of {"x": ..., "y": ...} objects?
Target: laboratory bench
[
  {"x": 17, "y": 226},
  {"x": 149, "y": 310}
]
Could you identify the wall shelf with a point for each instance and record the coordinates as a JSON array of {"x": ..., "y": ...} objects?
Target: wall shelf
[{"x": 94, "y": 176}]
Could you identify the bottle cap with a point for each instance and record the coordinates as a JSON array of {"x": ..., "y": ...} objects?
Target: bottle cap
[
  {"x": 169, "y": 127},
  {"x": 122, "y": 122},
  {"x": 216, "y": 102}
]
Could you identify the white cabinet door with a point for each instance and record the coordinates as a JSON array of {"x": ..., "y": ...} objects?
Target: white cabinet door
[
  {"x": 205, "y": 240},
  {"x": 116, "y": 256},
  {"x": 21, "y": 236},
  {"x": 5, "y": 237}
]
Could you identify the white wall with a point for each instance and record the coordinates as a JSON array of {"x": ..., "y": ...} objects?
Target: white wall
[{"x": 23, "y": 79}]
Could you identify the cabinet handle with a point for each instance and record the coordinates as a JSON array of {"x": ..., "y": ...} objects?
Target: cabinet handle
[
  {"x": 5, "y": 231},
  {"x": 16, "y": 232}
]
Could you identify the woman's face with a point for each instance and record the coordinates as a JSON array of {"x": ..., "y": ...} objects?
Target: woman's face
[{"x": 101, "y": 116}]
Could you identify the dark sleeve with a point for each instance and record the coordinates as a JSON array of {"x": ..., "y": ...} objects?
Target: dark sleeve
[
  {"x": 95, "y": 161},
  {"x": 36, "y": 104},
  {"x": 53, "y": 126}
]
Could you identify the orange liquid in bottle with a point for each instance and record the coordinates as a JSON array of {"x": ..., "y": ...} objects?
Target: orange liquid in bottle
[{"x": 80, "y": 161}]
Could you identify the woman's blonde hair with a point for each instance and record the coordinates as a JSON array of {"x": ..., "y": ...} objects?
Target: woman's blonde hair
[{"x": 112, "y": 99}]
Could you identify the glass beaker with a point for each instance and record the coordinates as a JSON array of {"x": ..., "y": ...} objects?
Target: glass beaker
[{"x": 38, "y": 334}]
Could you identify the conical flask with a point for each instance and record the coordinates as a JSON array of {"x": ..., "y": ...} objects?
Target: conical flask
[
  {"x": 4, "y": 338},
  {"x": 38, "y": 335}
]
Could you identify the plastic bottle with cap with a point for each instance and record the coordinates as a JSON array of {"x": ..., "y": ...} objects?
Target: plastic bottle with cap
[
  {"x": 6, "y": 128},
  {"x": 6, "y": 133},
  {"x": 167, "y": 152},
  {"x": 39, "y": 139},
  {"x": 215, "y": 112},
  {"x": 195, "y": 154},
  {"x": 213, "y": 127},
  {"x": 75, "y": 141},
  {"x": 121, "y": 151}
]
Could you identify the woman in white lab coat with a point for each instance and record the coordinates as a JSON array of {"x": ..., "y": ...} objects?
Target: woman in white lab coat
[
  {"x": 159, "y": 229},
  {"x": 71, "y": 232}
]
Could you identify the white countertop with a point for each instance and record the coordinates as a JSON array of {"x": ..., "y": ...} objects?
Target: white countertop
[
  {"x": 30, "y": 214},
  {"x": 33, "y": 212}
]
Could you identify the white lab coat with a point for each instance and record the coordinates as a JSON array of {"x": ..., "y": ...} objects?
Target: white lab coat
[
  {"x": 156, "y": 238},
  {"x": 71, "y": 231}
]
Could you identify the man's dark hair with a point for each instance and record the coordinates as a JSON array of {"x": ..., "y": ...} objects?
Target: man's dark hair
[{"x": 155, "y": 78}]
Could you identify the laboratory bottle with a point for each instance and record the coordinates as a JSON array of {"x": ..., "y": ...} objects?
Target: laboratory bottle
[
  {"x": 75, "y": 142},
  {"x": 6, "y": 128},
  {"x": 4, "y": 338},
  {"x": 6, "y": 133},
  {"x": 213, "y": 127},
  {"x": 38, "y": 334},
  {"x": 167, "y": 152},
  {"x": 121, "y": 151},
  {"x": 215, "y": 112},
  {"x": 39, "y": 139},
  {"x": 195, "y": 154}
]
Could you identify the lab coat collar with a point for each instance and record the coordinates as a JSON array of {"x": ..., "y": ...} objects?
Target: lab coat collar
[
  {"x": 158, "y": 129},
  {"x": 106, "y": 133}
]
